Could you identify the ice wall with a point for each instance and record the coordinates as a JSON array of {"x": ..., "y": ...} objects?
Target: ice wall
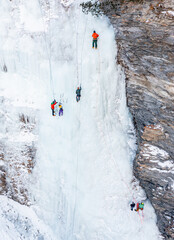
[{"x": 81, "y": 185}]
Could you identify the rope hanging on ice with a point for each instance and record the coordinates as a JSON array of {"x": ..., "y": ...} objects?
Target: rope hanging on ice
[
  {"x": 113, "y": 159},
  {"x": 48, "y": 49}
]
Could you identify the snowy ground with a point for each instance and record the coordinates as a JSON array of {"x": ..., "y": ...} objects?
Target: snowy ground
[
  {"x": 81, "y": 183},
  {"x": 20, "y": 222}
]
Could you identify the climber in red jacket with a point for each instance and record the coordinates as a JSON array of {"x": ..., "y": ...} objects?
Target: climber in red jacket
[
  {"x": 94, "y": 42},
  {"x": 52, "y": 107}
]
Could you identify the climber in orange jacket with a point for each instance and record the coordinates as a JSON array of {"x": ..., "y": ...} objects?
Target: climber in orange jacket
[{"x": 94, "y": 42}]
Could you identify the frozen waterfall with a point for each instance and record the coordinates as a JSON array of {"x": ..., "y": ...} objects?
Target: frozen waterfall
[{"x": 81, "y": 185}]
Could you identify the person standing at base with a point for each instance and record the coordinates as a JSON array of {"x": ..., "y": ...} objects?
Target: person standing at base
[{"x": 94, "y": 42}]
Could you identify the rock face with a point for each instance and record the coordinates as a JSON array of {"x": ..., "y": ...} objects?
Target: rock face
[
  {"x": 17, "y": 151},
  {"x": 145, "y": 38},
  {"x": 144, "y": 34}
]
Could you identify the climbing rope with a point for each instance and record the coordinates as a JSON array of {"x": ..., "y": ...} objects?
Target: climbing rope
[
  {"x": 48, "y": 49},
  {"x": 79, "y": 81},
  {"x": 77, "y": 37},
  {"x": 84, "y": 35},
  {"x": 110, "y": 152},
  {"x": 78, "y": 143}
]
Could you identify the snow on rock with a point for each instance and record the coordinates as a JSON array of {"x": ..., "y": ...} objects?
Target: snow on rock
[
  {"x": 171, "y": 13},
  {"x": 168, "y": 13},
  {"x": 156, "y": 166},
  {"x": 20, "y": 222},
  {"x": 159, "y": 158},
  {"x": 167, "y": 164},
  {"x": 153, "y": 151},
  {"x": 66, "y": 3},
  {"x": 172, "y": 185}
]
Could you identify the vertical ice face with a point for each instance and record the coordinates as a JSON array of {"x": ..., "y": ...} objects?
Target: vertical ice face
[
  {"x": 18, "y": 106},
  {"x": 83, "y": 166}
]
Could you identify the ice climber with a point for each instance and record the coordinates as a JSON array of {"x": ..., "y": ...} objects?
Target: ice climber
[
  {"x": 60, "y": 110},
  {"x": 78, "y": 93},
  {"x": 140, "y": 206},
  {"x": 132, "y": 205},
  {"x": 94, "y": 42},
  {"x": 53, "y": 106}
]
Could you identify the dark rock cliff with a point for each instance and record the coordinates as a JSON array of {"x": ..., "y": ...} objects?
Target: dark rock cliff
[{"x": 145, "y": 38}]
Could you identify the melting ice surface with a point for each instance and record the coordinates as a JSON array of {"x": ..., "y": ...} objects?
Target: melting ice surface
[{"x": 84, "y": 159}]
